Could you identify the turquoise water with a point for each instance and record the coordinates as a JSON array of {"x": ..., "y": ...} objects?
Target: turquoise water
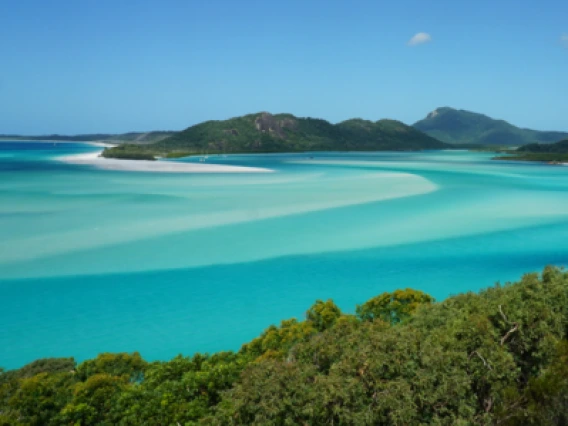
[{"x": 97, "y": 260}]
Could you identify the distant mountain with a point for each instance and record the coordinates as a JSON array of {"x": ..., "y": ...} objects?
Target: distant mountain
[
  {"x": 264, "y": 132},
  {"x": 131, "y": 137},
  {"x": 465, "y": 127}
]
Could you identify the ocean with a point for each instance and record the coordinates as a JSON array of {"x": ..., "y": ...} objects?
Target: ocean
[{"x": 98, "y": 260}]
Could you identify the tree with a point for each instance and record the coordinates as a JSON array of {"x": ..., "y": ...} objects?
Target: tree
[
  {"x": 323, "y": 315},
  {"x": 38, "y": 399},
  {"x": 393, "y": 307},
  {"x": 544, "y": 402},
  {"x": 497, "y": 357},
  {"x": 93, "y": 400},
  {"x": 122, "y": 364},
  {"x": 275, "y": 342},
  {"x": 44, "y": 365}
]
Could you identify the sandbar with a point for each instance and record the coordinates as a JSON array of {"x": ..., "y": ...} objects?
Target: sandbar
[{"x": 161, "y": 166}]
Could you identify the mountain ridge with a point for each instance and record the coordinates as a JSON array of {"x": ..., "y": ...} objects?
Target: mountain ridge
[{"x": 459, "y": 126}]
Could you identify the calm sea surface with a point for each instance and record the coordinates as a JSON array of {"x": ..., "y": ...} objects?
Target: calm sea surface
[{"x": 95, "y": 260}]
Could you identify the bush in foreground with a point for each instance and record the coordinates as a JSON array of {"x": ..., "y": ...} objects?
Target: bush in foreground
[{"x": 497, "y": 357}]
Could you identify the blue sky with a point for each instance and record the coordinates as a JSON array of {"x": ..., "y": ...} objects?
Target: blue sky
[{"x": 88, "y": 66}]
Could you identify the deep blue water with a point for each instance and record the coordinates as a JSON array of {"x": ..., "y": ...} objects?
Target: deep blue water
[{"x": 97, "y": 260}]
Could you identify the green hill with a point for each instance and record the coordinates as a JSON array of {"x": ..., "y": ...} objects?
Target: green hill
[
  {"x": 264, "y": 132},
  {"x": 465, "y": 127},
  {"x": 499, "y": 357}
]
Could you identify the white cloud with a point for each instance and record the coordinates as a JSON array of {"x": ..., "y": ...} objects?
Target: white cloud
[
  {"x": 564, "y": 39},
  {"x": 420, "y": 38}
]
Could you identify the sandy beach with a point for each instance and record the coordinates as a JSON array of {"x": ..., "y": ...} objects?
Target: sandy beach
[
  {"x": 102, "y": 144},
  {"x": 94, "y": 159}
]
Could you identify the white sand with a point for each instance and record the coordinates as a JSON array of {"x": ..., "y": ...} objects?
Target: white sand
[
  {"x": 101, "y": 144},
  {"x": 94, "y": 159}
]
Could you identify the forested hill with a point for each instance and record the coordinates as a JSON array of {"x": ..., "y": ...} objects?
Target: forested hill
[
  {"x": 499, "y": 357},
  {"x": 466, "y": 127},
  {"x": 264, "y": 132}
]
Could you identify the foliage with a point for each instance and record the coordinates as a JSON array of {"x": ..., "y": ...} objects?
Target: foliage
[
  {"x": 44, "y": 365},
  {"x": 93, "y": 400},
  {"x": 544, "y": 401},
  {"x": 129, "y": 152},
  {"x": 558, "y": 147},
  {"x": 393, "y": 307},
  {"x": 131, "y": 366},
  {"x": 276, "y": 342},
  {"x": 452, "y": 363},
  {"x": 465, "y": 127},
  {"x": 323, "y": 315},
  {"x": 497, "y": 357},
  {"x": 36, "y": 400}
]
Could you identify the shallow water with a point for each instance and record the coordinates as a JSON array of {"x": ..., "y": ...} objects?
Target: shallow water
[{"x": 95, "y": 260}]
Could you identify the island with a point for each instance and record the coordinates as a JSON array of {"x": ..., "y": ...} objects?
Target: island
[
  {"x": 554, "y": 153},
  {"x": 267, "y": 133}
]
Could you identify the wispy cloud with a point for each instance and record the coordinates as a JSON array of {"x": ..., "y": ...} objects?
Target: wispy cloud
[
  {"x": 564, "y": 40},
  {"x": 420, "y": 38}
]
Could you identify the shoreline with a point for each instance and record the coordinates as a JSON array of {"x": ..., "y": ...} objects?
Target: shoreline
[
  {"x": 92, "y": 143},
  {"x": 159, "y": 166}
]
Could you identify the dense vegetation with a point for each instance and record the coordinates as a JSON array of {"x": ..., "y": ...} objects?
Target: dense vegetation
[
  {"x": 465, "y": 127},
  {"x": 132, "y": 137},
  {"x": 497, "y": 357},
  {"x": 550, "y": 153},
  {"x": 265, "y": 132},
  {"x": 125, "y": 152},
  {"x": 553, "y": 148}
]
